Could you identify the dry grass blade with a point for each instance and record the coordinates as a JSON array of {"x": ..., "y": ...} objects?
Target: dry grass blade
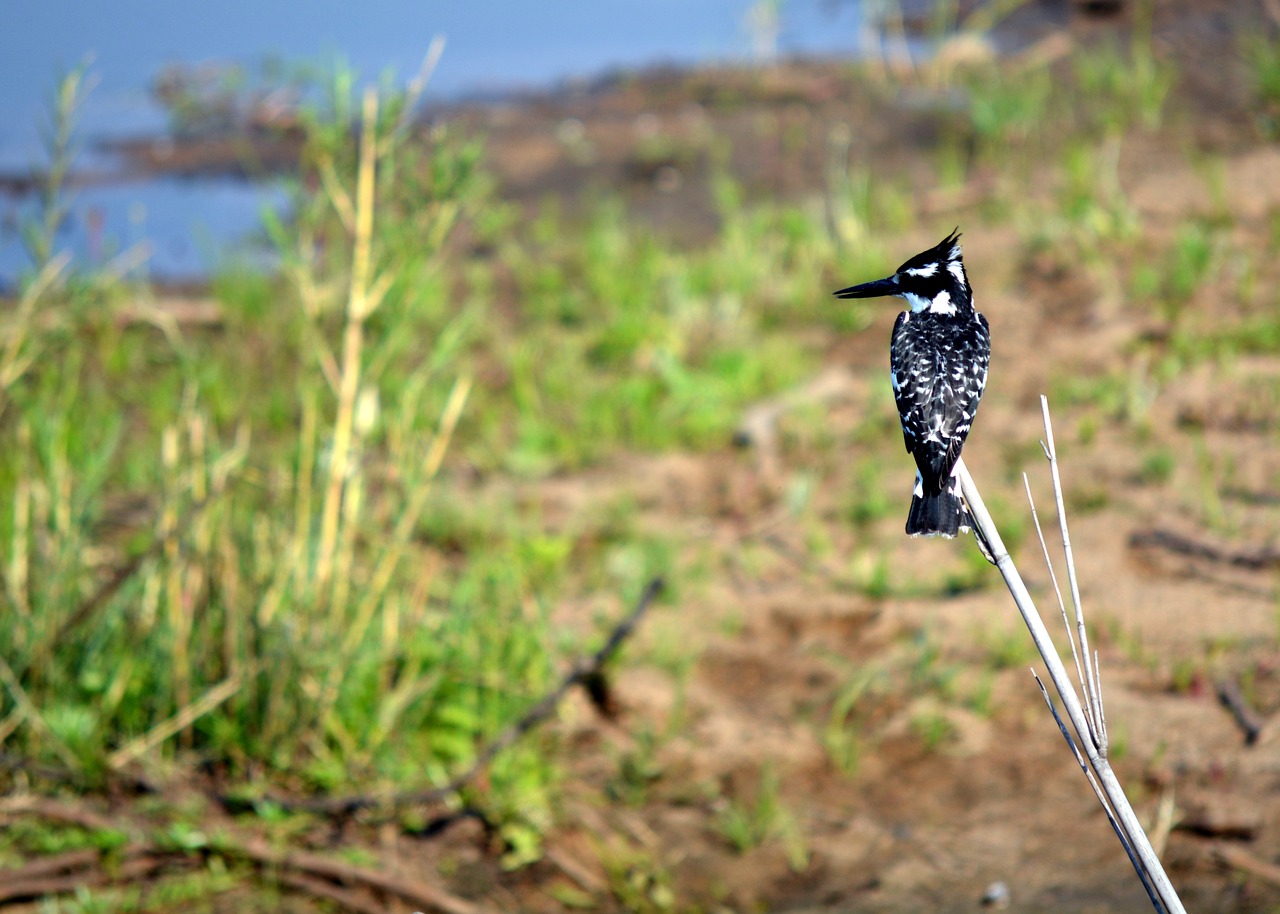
[
  {"x": 1093, "y": 695},
  {"x": 584, "y": 672},
  {"x": 178, "y": 723},
  {"x": 416, "y": 892},
  {"x": 409, "y": 517},
  {"x": 27, "y": 709},
  {"x": 15, "y": 356},
  {"x": 1057, "y": 590},
  {"x": 1088, "y": 727},
  {"x": 358, "y": 309},
  {"x": 419, "y": 83}
]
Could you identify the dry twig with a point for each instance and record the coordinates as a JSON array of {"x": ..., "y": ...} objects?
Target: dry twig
[
  {"x": 314, "y": 874},
  {"x": 1248, "y": 720},
  {"x": 1257, "y": 560},
  {"x": 418, "y": 893},
  {"x": 586, "y": 672},
  {"x": 1238, "y": 858}
]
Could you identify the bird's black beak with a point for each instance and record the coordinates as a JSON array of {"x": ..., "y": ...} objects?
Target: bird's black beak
[{"x": 871, "y": 289}]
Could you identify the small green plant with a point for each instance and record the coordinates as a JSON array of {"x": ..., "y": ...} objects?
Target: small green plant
[
  {"x": 871, "y": 499},
  {"x": 1006, "y": 647},
  {"x": 1129, "y": 86},
  {"x": 1187, "y": 673},
  {"x": 40, "y": 236},
  {"x": 859, "y": 208},
  {"x": 1158, "y": 466},
  {"x": 747, "y": 825},
  {"x": 638, "y": 881},
  {"x": 871, "y": 574},
  {"x": 841, "y": 736},
  {"x": 1122, "y": 396},
  {"x": 638, "y": 770},
  {"x": 1192, "y": 261},
  {"x": 1008, "y": 108},
  {"x": 933, "y": 728},
  {"x": 981, "y": 694},
  {"x": 929, "y": 671},
  {"x": 1261, "y": 51},
  {"x": 1092, "y": 199}
]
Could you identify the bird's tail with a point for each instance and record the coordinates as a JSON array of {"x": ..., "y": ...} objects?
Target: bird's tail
[{"x": 938, "y": 513}]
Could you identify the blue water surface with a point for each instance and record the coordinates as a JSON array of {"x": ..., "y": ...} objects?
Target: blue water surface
[{"x": 491, "y": 48}]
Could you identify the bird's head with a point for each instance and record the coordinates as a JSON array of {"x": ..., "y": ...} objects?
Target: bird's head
[{"x": 933, "y": 280}]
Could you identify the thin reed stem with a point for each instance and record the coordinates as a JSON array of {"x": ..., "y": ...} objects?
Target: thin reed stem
[
  {"x": 1089, "y": 740},
  {"x": 359, "y": 307}
]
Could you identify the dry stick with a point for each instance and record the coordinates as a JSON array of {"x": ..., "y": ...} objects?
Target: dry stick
[
  {"x": 1167, "y": 898},
  {"x": 1250, "y": 722},
  {"x": 582, "y": 672},
  {"x": 58, "y": 811},
  {"x": 343, "y": 899},
  {"x": 53, "y": 865},
  {"x": 418, "y": 893},
  {"x": 1257, "y": 560},
  {"x": 1097, "y": 792},
  {"x": 1053, "y": 579},
  {"x": 417, "y": 85},
  {"x": 316, "y": 874},
  {"x": 360, "y": 305},
  {"x": 1240, "y": 859},
  {"x": 178, "y": 722},
  {"x": 131, "y": 871}
]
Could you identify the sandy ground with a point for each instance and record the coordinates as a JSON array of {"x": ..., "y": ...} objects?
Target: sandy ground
[
  {"x": 776, "y": 635},
  {"x": 779, "y": 636}
]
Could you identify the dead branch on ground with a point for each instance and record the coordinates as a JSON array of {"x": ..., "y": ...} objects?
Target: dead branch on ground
[
  {"x": 1253, "y": 560},
  {"x": 587, "y": 672},
  {"x": 1250, "y": 722},
  {"x": 353, "y": 888}
]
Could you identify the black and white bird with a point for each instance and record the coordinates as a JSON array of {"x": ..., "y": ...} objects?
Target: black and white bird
[{"x": 938, "y": 362}]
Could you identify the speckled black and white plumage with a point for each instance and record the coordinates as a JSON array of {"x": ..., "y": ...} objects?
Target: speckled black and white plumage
[{"x": 938, "y": 362}]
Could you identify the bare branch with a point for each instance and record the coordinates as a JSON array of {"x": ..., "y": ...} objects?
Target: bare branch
[{"x": 586, "y": 672}]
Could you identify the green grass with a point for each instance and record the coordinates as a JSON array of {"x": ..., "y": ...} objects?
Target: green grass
[
  {"x": 284, "y": 621},
  {"x": 933, "y": 729},
  {"x": 1261, "y": 53},
  {"x": 842, "y": 735},
  {"x": 1006, "y": 646},
  {"x": 1158, "y": 466},
  {"x": 1127, "y": 87},
  {"x": 347, "y": 568},
  {"x": 746, "y": 824},
  {"x": 312, "y": 600},
  {"x": 1007, "y": 109}
]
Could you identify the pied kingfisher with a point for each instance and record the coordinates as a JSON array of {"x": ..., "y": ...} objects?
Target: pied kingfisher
[{"x": 938, "y": 361}]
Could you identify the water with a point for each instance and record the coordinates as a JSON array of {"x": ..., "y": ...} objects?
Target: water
[{"x": 492, "y": 47}]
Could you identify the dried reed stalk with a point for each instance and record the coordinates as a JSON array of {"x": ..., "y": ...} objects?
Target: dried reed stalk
[{"x": 1087, "y": 717}]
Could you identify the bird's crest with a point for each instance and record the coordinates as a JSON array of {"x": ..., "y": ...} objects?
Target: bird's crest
[
  {"x": 932, "y": 281},
  {"x": 935, "y": 280}
]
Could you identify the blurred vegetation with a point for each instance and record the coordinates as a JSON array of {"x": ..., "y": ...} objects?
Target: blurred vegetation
[{"x": 293, "y": 550}]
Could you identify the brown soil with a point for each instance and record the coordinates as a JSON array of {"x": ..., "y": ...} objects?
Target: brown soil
[
  {"x": 918, "y": 827},
  {"x": 777, "y": 634}
]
